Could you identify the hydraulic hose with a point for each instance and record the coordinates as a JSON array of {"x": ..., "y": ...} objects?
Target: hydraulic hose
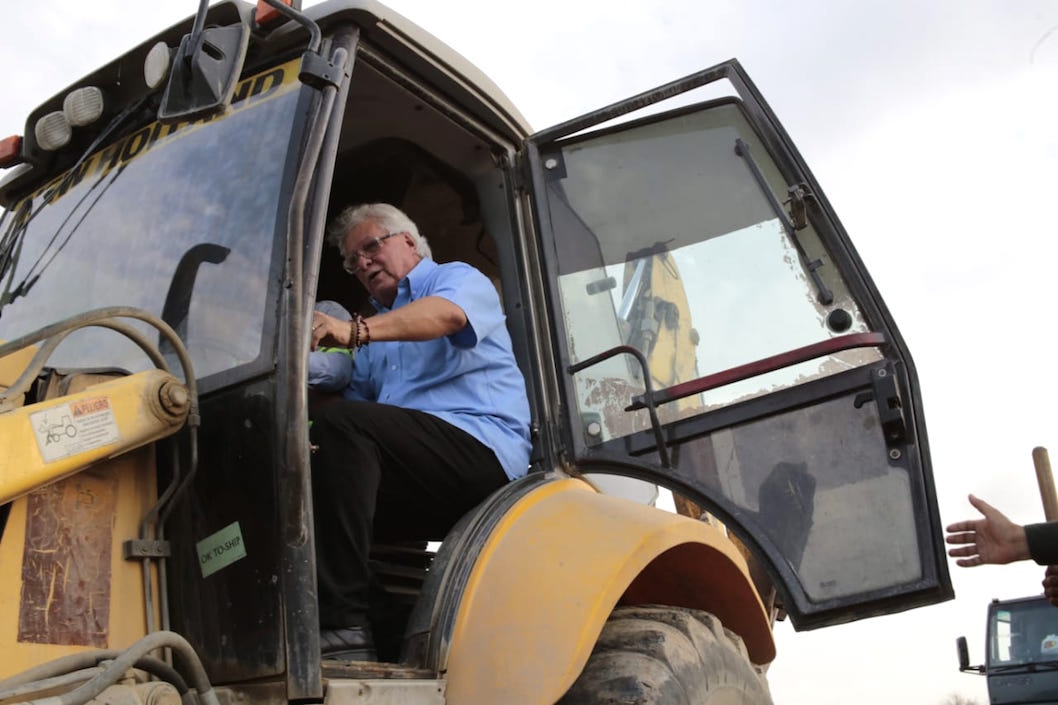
[
  {"x": 99, "y": 317},
  {"x": 127, "y": 659},
  {"x": 82, "y": 667}
]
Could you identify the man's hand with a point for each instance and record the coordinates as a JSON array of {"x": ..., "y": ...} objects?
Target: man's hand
[
  {"x": 994, "y": 539},
  {"x": 1050, "y": 584},
  {"x": 330, "y": 330}
]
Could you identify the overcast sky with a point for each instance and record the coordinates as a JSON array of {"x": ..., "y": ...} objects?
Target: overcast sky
[{"x": 931, "y": 126}]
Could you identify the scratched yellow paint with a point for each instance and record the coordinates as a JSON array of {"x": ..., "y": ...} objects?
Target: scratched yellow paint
[
  {"x": 123, "y": 489},
  {"x": 132, "y": 480}
]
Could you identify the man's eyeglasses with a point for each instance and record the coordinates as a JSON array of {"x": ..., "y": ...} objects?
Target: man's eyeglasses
[{"x": 368, "y": 251}]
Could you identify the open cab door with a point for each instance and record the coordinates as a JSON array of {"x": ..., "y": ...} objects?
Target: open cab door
[{"x": 718, "y": 335}]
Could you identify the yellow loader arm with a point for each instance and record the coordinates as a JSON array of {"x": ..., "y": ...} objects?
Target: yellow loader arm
[
  {"x": 66, "y": 586},
  {"x": 48, "y": 441}
]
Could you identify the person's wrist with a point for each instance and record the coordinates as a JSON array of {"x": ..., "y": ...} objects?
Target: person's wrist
[{"x": 1021, "y": 544}]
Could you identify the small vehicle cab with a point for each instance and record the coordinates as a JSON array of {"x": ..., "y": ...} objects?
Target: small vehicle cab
[
  {"x": 686, "y": 308},
  {"x": 1021, "y": 652}
]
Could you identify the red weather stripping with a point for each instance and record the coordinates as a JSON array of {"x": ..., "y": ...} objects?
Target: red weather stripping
[
  {"x": 768, "y": 364},
  {"x": 10, "y": 151}
]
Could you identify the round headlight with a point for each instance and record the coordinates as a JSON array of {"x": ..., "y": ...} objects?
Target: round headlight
[
  {"x": 83, "y": 106},
  {"x": 52, "y": 131},
  {"x": 156, "y": 65}
]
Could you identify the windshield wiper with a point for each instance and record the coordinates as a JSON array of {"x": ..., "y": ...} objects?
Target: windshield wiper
[
  {"x": 825, "y": 296},
  {"x": 11, "y": 245},
  {"x": 10, "y": 252}
]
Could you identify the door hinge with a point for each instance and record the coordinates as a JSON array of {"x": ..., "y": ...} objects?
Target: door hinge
[
  {"x": 520, "y": 173},
  {"x": 800, "y": 194}
]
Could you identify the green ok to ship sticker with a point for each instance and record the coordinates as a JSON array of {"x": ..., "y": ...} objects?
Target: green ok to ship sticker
[{"x": 221, "y": 549}]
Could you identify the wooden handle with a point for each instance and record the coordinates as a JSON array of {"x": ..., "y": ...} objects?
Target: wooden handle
[{"x": 1046, "y": 482}]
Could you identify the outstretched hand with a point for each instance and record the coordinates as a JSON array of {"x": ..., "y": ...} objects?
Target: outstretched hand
[{"x": 993, "y": 539}]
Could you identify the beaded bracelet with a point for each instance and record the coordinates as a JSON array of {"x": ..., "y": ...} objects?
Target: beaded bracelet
[{"x": 354, "y": 332}]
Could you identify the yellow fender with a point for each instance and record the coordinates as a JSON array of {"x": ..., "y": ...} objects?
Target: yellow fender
[{"x": 555, "y": 567}]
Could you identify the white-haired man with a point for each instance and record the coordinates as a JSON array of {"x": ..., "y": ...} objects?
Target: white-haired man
[{"x": 434, "y": 420}]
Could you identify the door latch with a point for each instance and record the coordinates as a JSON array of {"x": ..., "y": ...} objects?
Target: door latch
[{"x": 886, "y": 395}]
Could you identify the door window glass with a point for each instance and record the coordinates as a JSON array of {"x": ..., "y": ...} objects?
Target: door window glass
[
  {"x": 819, "y": 483},
  {"x": 685, "y": 258}
]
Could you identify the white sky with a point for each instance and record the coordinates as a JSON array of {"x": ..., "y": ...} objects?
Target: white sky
[{"x": 932, "y": 129}]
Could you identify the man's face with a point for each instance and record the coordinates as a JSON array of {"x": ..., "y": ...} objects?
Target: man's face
[{"x": 390, "y": 261}]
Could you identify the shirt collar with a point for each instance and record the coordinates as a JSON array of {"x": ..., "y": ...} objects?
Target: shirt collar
[{"x": 411, "y": 286}]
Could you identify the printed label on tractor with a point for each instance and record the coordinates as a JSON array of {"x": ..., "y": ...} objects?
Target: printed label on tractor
[{"x": 75, "y": 427}]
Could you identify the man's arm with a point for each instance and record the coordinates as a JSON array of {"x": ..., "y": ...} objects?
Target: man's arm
[
  {"x": 425, "y": 319},
  {"x": 1043, "y": 542},
  {"x": 994, "y": 539}
]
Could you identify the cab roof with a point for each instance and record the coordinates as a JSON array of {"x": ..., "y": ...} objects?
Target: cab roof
[
  {"x": 439, "y": 66},
  {"x": 429, "y": 57}
]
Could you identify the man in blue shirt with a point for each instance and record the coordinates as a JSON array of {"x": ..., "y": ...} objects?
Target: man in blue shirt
[{"x": 435, "y": 417}]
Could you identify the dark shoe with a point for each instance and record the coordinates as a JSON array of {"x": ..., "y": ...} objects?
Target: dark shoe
[{"x": 348, "y": 644}]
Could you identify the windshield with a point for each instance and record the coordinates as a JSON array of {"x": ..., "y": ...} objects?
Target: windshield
[
  {"x": 175, "y": 219},
  {"x": 1023, "y": 633}
]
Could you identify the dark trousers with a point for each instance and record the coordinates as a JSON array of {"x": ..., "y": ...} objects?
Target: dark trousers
[{"x": 388, "y": 473}]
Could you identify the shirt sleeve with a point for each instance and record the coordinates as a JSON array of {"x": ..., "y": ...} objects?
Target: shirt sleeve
[
  {"x": 1043, "y": 542},
  {"x": 330, "y": 370},
  {"x": 472, "y": 292}
]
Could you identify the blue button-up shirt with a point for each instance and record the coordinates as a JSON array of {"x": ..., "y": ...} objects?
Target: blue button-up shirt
[{"x": 469, "y": 379}]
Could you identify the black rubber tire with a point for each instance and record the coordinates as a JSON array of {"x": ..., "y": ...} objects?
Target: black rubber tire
[{"x": 660, "y": 655}]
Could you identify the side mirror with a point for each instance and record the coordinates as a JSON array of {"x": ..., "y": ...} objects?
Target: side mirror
[
  {"x": 205, "y": 70},
  {"x": 964, "y": 653}
]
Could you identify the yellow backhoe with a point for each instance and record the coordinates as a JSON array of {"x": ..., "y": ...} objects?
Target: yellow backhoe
[{"x": 687, "y": 310}]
